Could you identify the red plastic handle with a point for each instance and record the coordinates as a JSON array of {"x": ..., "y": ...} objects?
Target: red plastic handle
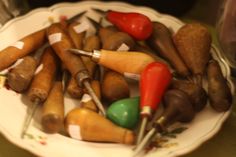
[
  {"x": 155, "y": 79},
  {"x": 135, "y": 24}
]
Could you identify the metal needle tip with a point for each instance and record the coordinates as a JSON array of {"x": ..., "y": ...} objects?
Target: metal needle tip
[
  {"x": 76, "y": 17},
  {"x": 28, "y": 117},
  {"x": 144, "y": 142},
  {"x": 95, "y": 99},
  {"x": 81, "y": 52},
  {"x": 141, "y": 130}
]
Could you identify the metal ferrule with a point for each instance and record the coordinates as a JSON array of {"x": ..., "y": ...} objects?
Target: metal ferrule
[
  {"x": 81, "y": 76},
  {"x": 96, "y": 55},
  {"x": 146, "y": 111}
]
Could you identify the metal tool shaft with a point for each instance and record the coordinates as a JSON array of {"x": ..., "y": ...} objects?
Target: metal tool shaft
[
  {"x": 145, "y": 140},
  {"x": 142, "y": 129},
  {"x": 95, "y": 98},
  {"x": 29, "y": 116},
  {"x": 81, "y": 52}
]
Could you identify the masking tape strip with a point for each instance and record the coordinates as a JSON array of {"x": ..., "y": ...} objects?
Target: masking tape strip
[
  {"x": 39, "y": 68},
  {"x": 18, "y": 44},
  {"x": 74, "y": 132},
  {"x": 123, "y": 47},
  {"x": 54, "y": 38},
  {"x": 81, "y": 27},
  {"x": 86, "y": 98}
]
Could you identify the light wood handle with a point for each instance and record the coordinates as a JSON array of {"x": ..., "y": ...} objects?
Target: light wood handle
[
  {"x": 53, "y": 110},
  {"x": 29, "y": 44},
  {"x": 94, "y": 127},
  {"x": 131, "y": 62},
  {"x": 43, "y": 80}
]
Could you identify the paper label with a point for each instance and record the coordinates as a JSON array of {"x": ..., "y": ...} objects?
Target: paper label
[
  {"x": 81, "y": 27},
  {"x": 39, "y": 68},
  {"x": 17, "y": 62},
  {"x": 18, "y": 44},
  {"x": 123, "y": 47},
  {"x": 74, "y": 132},
  {"x": 54, "y": 38},
  {"x": 132, "y": 76},
  {"x": 2, "y": 81},
  {"x": 86, "y": 98}
]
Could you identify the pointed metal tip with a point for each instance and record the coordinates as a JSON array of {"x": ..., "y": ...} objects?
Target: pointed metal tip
[
  {"x": 99, "y": 10},
  {"x": 144, "y": 142},
  {"x": 80, "y": 52},
  {"x": 76, "y": 17},
  {"x": 141, "y": 130},
  {"x": 96, "y": 24}
]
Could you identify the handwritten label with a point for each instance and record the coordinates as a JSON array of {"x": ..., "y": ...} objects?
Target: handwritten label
[
  {"x": 81, "y": 27},
  {"x": 54, "y": 38},
  {"x": 74, "y": 132},
  {"x": 86, "y": 98},
  {"x": 132, "y": 76},
  {"x": 123, "y": 47},
  {"x": 18, "y": 44}
]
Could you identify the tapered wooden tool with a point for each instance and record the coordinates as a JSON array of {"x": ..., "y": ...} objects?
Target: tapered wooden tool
[
  {"x": 84, "y": 124},
  {"x": 41, "y": 85},
  {"x": 53, "y": 108},
  {"x": 125, "y": 62}
]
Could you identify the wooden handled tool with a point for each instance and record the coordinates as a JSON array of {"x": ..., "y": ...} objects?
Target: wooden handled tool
[
  {"x": 125, "y": 62},
  {"x": 90, "y": 43},
  {"x": 41, "y": 84},
  {"x": 61, "y": 43},
  {"x": 20, "y": 76},
  {"x": 21, "y": 48},
  {"x": 83, "y": 124},
  {"x": 53, "y": 108}
]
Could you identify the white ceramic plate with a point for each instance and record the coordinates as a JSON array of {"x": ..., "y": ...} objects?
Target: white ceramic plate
[{"x": 13, "y": 106}]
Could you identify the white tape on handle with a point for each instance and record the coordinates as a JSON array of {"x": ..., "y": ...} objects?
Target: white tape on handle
[
  {"x": 54, "y": 38},
  {"x": 18, "y": 44},
  {"x": 39, "y": 68},
  {"x": 74, "y": 132},
  {"x": 81, "y": 27},
  {"x": 86, "y": 98},
  {"x": 123, "y": 47}
]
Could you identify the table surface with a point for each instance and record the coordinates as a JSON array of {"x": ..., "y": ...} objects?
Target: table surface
[{"x": 213, "y": 147}]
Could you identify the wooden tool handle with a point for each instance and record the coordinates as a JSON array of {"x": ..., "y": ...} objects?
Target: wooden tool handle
[
  {"x": 105, "y": 32},
  {"x": 91, "y": 43},
  {"x": 43, "y": 80},
  {"x": 73, "y": 89},
  {"x": 53, "y": 109},
  {"x": 21, "y": 48},
  {"x": 61, "y": 42},
  {"x": 20, "y": 76},
  {"x": 76, "y": 37},
  {"x": 131, "y": 62},
  {"x": 90, "y": 126}
]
